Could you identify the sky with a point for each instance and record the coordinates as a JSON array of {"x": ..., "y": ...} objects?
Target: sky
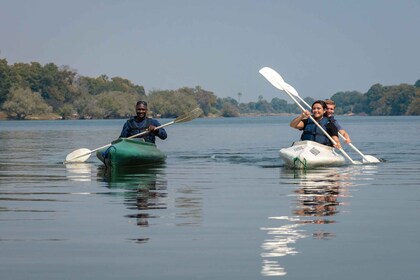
[{"x": 320, "y": 47}]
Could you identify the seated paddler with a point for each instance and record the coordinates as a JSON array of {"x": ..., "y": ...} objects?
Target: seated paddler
[
  {"x": 141, "y": 123},
  {"x": 311, "y": 131}
]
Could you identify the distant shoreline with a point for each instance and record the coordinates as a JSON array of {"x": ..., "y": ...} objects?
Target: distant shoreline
[
  {"x": 53, "y": 117},
  {"x": 4, "y": 117}
]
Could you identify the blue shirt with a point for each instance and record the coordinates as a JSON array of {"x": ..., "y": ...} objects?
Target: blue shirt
[{"x": 333, "y": 120}]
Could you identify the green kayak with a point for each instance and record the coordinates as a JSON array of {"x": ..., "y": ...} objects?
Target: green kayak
[{"x": 130, "y": 152}]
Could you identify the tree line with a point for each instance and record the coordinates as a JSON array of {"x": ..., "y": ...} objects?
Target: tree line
[{"x": 30, "y": 90}]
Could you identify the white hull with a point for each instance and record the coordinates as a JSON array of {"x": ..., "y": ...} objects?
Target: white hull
[{"x": 309, "y": 154}]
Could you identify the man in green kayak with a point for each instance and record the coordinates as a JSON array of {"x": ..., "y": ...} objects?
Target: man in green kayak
[{"x": 141, "y": 123}]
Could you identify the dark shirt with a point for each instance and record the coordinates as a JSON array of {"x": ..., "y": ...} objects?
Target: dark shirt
[
  {"x": 339, "y": 127},
  {"x": 132, "y": 127}
]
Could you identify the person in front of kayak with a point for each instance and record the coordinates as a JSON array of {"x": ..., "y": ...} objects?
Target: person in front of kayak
[
  {"x": 330, "y": 114},
  {"x": 311, "y": 131},
  {"x": 141, "y": 123}
]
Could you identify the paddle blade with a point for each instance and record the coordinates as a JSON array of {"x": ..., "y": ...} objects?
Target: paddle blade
[
  {"x": 290, "y": 89},
  {"x": 189, "y": 116},
  {"x": 80, "y": 155},
  {"x": 370, "y": 159},
  {"x": 273, "y": 77}
]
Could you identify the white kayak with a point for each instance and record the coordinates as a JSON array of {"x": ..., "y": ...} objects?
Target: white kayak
[{"x": 310, "y": 154}]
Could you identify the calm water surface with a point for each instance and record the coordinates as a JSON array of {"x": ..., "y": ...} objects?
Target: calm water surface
[{"x": 221, "y": 207}]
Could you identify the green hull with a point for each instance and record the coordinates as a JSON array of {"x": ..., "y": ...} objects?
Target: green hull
[{"x": 130, "y": 152}]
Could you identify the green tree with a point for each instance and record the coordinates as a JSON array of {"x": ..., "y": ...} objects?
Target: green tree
[
  {"x": 102, "y": 83},
  {"x": 279, "y": 105},
  {"x": 23, "y": 102},
  {"x": 252, "y": 107},
  {"x": 87, "y": 107},
  {"x": 56, "y": 85},
  {"x": 124, "y": 85},
  {"x": 414, "y": 107},
  {"x": 67, "y": 111},
  {"x": 229, "y": 110},
  {"x": 391, "y": 100},
  {"x": 26, "y": 75},
  {"x": 94, "y": 86},
  {"x": 263, "y": 106},
  {"x": 116, "y": 104},
  {"x": 205, "y": 99},
  {"x": 399, "y": 98},
  {"x": 347, "y": 101},
  {"x": 171, "y": 103},
  {"x": 372, "y": 99},
  {"x": 5, "y": 80}
]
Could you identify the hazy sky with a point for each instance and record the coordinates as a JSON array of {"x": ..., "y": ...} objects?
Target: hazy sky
[{"x": 320, "y": 47}]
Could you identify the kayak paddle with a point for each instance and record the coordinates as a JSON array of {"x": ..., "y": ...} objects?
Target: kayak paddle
[
  {"x": 81, "y": 155},
  {"x": 366, "y": 158},
  {"x": 277, "y": 81}
]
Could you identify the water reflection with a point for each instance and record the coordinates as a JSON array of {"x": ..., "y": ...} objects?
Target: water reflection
[
  {"x": 318, "y": 194},
  {"x": 143, "y": 189},
  {"x": 79, "y": 172},
  {"x": 317, "y": 199},
  {"x": 145, "y": 194}
]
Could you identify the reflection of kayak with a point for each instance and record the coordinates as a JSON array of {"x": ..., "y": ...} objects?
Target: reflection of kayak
[
  {"x": 130, "y": 152},
  {"x": 132, "y": 177},
  {"x": 309, "y": 154}
]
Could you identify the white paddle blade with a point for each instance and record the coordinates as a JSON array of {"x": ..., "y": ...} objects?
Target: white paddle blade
[
  {"x": 290, "y": 89},
  {"x": 370, "y": 159},
  {"x": 273, "y": 77},
  {"x": 80, "y": 155}
]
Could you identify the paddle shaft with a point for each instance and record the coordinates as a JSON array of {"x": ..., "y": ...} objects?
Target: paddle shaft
[
  {"x": 183, "y": 118},
  {"x": 132, "y": 136}
]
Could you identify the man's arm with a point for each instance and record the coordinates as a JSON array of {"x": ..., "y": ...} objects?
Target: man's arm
[
  {"x": 161, "y": 132},
  {"x": 333, "y": 132},
  {"x": 124, "y": 131},
  {"x": 346, "y": 135}
]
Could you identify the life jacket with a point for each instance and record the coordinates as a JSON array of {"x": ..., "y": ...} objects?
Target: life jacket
[
  {"x": 134, "y": 129},
  {"x": 313, "y": 133}
]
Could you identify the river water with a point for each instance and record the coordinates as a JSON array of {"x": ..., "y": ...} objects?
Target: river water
[{"x": 221, "y": 207}]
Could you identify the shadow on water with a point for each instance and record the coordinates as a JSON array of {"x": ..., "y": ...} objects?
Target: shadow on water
[
  {"x": 143, "y": 189},
  {"x": 317, "y": 199}
]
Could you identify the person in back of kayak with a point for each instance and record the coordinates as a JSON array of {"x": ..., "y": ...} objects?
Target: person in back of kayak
[
  {"x": 311, "y": 131},
  {"x": 141, "y": 123},
  {"x": 330, "y": 114}
]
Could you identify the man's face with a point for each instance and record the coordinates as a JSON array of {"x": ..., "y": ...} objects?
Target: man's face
[
  {"x": 141, "y": 111},
  {"x": 330, "y": 110}
]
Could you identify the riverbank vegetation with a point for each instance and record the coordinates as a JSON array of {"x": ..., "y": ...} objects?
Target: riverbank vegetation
[{"x": 35, "y": 91}]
